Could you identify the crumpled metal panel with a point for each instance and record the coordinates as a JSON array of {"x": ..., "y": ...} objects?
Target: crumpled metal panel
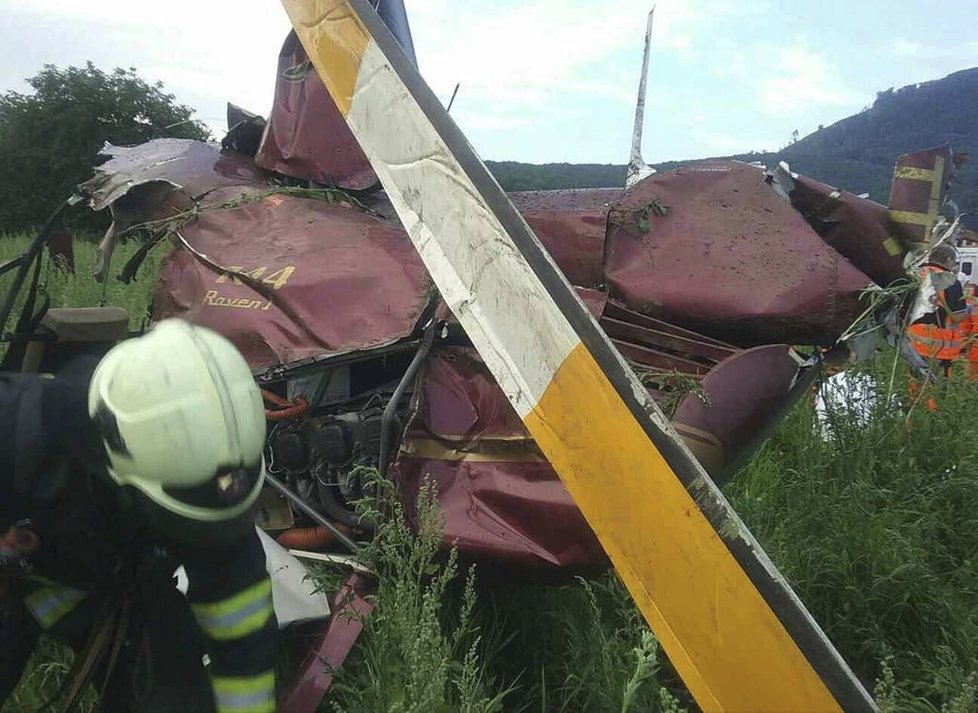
[
  {"x": 191, "y": 167},
  {"x": 500, "y": 499},
  {"x": 324, "y": 279},
  {"x": 306, "y": 136},
  {"x": 739, "y": 398},
  {"x": 857, "y": 228},
  {"x": 730, "y": 258}
]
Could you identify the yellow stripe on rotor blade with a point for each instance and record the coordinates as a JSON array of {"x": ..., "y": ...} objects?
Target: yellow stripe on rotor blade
[
  {"x": 698, "y": 576},
  {"x": 341, "y": 47},
  {"x": 733, "y": 653}
]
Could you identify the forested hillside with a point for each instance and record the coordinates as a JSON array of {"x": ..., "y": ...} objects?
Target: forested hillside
[{"x": 856, "y": 153}]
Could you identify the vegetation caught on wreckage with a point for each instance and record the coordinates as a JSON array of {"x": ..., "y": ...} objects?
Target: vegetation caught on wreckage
[{"x": 870, "y": 509}]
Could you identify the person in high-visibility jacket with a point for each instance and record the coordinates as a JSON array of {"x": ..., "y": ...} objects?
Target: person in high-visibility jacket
[
  {"x": 939, "y": 322},
  {"x": 114, "y": 472}
]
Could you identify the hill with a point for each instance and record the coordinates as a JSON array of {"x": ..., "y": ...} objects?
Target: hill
[{"x": 856, "y": 153}]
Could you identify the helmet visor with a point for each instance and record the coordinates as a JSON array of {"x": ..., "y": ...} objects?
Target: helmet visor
[{"x": 226, "y": 490}]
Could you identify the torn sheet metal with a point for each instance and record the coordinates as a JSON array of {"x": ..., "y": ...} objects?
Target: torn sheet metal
[
  {"x": 857, "y": 228},
  {"x": 713, "y": 247},
  {"x": 245, "y": 131},
  {"x": 324, "y": 278},
  {"x": 306, "y": 136},
  {"x": 352, "y": 604},
  {"x": 190, "y": 167}
]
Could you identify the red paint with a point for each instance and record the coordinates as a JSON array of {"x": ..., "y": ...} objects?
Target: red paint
[
  {"x": 306, "y": 136},
  {"x": 349, "y": 610}
]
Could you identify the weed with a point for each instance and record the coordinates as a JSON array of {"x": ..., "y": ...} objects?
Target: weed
[{"x": 420, "y": 649}]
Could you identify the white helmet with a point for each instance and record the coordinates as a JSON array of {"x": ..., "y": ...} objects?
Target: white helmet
[{"x": 182, "y": 420}]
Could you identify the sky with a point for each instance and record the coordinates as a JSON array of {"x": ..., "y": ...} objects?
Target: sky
[{"x": 544, "y": 80}]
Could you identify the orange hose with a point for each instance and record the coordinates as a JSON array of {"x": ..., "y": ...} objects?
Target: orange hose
[
  {"x": 309, "y": 538},
  {"x": 286, "y": 409}
]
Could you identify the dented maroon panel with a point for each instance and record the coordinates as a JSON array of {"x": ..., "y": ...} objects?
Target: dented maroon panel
[
  {"x": 571, "y": 224},
  {"x": 500, "y": 499},
  {"x": 328, "y": 279},
  {"x": 461, "y": 402},
  {"x": 857, "y": 228},
  {"x": 503, "y": 503},
  {"x": 306, "y": 136},
  {"x": 919, "y": 187},
  {"x": 739, "y": 397},
  {"x": 730, "y": 258}
]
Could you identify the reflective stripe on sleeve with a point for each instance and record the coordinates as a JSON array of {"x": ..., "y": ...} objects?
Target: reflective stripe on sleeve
[
  {"x": 237, "y": 616},
  {"x": 49, "y": 604},
  {"x": 245, "y": 694}
]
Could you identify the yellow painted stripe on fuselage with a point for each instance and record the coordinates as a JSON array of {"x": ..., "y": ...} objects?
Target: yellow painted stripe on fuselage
[
  {"x": 913, "y": 174},
  {"x": 728, "y": 646},
  {"x": 341, "y": 47},
  {"x": 892, "y": 246},
  {"x": 910, "y": 217}
]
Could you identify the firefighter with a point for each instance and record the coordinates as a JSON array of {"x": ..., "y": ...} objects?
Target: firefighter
[{"x": 114, "y": 473}]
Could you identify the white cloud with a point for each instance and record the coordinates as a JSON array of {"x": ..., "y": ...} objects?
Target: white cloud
[
  {"x": 804, "y": 80},
  {"x": 723, "y": 144},
  {"x": 524, "y": 55},
  {"x": 204, "y": 52},
  {"x": 912, "y": 49}
]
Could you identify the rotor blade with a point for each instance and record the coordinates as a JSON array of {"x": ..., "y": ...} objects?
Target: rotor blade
[
  {"x": 732, "y": 627},
  {"x": 637, "y": 168}
]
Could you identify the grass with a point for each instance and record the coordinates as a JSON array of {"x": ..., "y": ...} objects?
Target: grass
[
  {"x": 80, "y": 290},
  {"x": 871, "y": 513},
  {"x": 873, "y": 517}
]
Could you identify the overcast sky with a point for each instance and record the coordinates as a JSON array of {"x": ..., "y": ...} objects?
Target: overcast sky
[{"x": 544, "y": 80}]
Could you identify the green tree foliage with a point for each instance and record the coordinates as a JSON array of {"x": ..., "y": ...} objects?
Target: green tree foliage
[{"x": 49, "y": 140}]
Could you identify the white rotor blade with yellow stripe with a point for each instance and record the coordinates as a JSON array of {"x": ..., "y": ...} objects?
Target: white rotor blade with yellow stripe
[{"x": 734, "y": 630}]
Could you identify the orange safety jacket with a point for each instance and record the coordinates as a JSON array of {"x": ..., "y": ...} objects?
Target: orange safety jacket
[
  {"x": 971, "y": 340},
  {"x": 941, "y": 333}
]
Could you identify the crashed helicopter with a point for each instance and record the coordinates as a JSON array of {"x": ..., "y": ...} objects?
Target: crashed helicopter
[{"x": 703, "y": 278}]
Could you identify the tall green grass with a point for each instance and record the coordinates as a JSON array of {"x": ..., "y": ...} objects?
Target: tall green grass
[
  {"x": 80, "y": 290},
  {"x": 871, "y": 513},
  {"x": 873, "y": 517}
]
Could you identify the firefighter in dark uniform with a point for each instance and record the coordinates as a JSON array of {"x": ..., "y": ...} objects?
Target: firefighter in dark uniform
[{"x": 112, "y": 474}]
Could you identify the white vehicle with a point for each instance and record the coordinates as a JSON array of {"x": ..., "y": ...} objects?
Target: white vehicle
[{"x": 968, "y": 263}]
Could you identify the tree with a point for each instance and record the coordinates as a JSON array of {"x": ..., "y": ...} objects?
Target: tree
[{"x": 49, "y": 140}]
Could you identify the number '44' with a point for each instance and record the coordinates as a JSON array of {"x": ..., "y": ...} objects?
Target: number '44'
[{"x": 277, "y": 279}]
